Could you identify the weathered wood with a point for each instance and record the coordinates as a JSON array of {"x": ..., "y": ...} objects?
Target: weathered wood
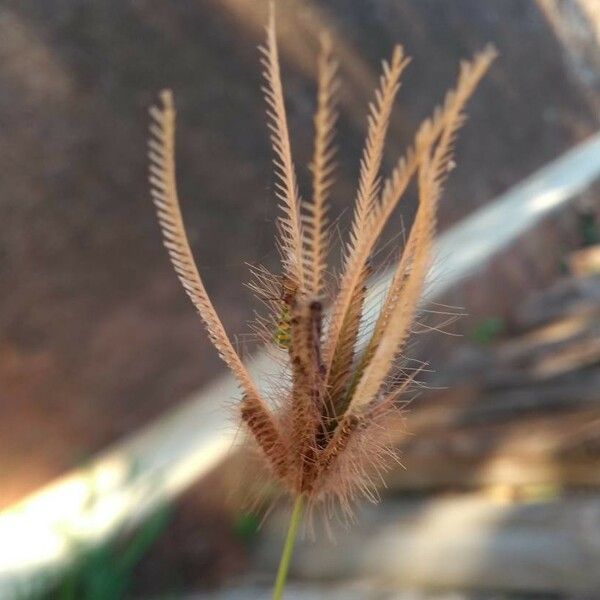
[
  {"x": 558, "y": 450},
  {"x": 530, "y": 412},
  {"x": 365, "y": 589},
  {"x": 569, "y": 296},
  {"x": 469, "y": 404},
  {"x": 585, "y": 261},
  {"x": 458, "y": 543}
]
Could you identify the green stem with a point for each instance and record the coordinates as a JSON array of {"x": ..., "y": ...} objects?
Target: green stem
[{"x": 286, "y": 555}]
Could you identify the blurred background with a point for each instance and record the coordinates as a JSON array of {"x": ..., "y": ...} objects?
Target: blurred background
[{"x": 500, "y": 494}]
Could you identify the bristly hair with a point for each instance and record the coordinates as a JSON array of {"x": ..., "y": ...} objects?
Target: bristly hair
[{"x": 337, "y": 395}]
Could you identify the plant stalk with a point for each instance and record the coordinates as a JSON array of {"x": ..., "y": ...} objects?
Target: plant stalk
[{"x": 286, "y": 555}]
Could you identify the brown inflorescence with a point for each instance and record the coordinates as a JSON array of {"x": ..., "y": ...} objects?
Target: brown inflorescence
[{"x": 340, "y": 378}]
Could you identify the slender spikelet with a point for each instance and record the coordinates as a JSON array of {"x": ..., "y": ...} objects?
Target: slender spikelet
[
  {"x": 163, "y": 188},
  {"x": 290, "y": 235},
  {"x": 368, "y": 184},
  {"x": 322, "y": 167},
  {"x": 307, "y": 374},
  {"x": 403, "y": 313},
  {"x": 335, "y": 399},
  {"x": 400, "y": 312},
  {"x": 341, "y": 366},
  {"x": 378, "y": 123},
  {"x": 443, "y": 125},
  {"x": 265, "y": 431},
  {"x": 339, "y": 441}
]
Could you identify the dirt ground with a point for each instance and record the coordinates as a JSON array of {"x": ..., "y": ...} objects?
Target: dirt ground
[{"x": 96, "y": 337}]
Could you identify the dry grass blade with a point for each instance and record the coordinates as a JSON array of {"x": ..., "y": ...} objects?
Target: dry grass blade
[
  {"x": 290, "y": 234},
  {"x": 352, "y": 276},
  {"x": 469, "y": 77},
  {"x": 322, "y": 166}
]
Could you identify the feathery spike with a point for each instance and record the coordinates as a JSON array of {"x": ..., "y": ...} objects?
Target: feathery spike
[
  {"x": 444, "y": 124},
  {"x": 290, "y": 234},
  {"x": 432, "y": 173},
  {"x": 326, "y": 436},
  {"x": 368, "y": 185},
  {"x": 341, "y": 366},
  {"x": 315, "y": 223},
  {"x": 378, "y": 120},
  {"x": 163, "y": 188}
]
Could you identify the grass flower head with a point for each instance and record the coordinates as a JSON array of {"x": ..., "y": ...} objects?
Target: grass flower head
[{"x": 324, "y": 439}]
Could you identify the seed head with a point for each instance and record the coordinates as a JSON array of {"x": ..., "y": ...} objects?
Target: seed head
[{"x": 340, "y": 385}]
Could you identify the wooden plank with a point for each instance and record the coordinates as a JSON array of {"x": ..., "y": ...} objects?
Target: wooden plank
[
  {"x": 464, "y": 543},
  {"x": 560, "y": 450}
]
